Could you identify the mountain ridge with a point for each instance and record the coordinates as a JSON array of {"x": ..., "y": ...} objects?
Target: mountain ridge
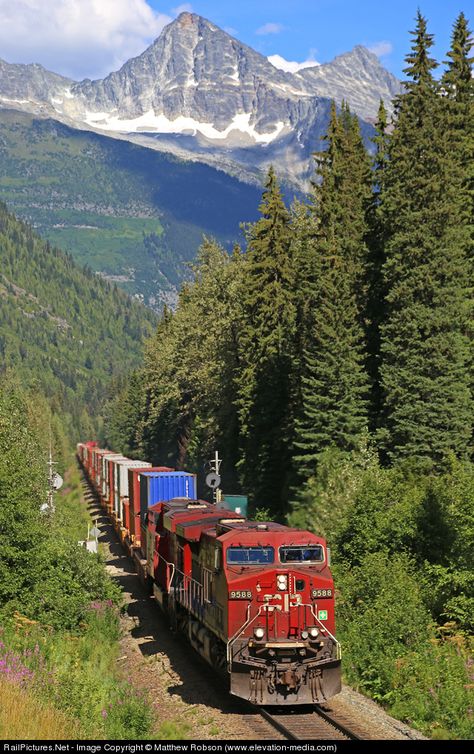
[{"x": 197, "y": 90}]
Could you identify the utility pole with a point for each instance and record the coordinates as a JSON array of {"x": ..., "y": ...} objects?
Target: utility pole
[
  {"x": 55, "y": 482},
  {"x": 51, "y": 463}
]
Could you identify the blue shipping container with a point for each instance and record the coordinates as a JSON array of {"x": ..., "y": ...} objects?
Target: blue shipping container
[{"x": 157, "y": 486}]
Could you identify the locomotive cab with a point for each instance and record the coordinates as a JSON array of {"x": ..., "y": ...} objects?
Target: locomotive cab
[{"x": 281, "y": 645}]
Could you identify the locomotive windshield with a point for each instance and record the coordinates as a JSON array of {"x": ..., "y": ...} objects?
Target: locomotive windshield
[
  {"x": 250, "y": 555},
  {"x": 312, "y": 554}
]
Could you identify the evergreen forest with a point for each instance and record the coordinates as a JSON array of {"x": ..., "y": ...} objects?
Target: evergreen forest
[
  {"x": 330, "y": 362},
  {"x": 63, "y": 330}
]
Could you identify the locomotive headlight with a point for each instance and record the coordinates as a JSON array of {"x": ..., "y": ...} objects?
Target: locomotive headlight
[
  {"x": 282, "y": 582},
  {"x": 313, "y": 632},
  {"x": 304, "y": 634},
  {"x": 259, "y": 633}
]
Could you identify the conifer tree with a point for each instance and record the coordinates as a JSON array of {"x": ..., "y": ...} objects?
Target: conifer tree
[
  {"x": 458, "y": 101},
  {"x": 376, "y": 243},
  {"x": 266, "y": 350},
  {"x": 334, "y": 382},
  {"x": 424, "y": 347},
  {"x": 458, "y": 88}
]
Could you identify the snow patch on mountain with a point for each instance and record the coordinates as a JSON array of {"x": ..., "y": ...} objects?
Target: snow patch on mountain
[{"x": 152, "y": 123}]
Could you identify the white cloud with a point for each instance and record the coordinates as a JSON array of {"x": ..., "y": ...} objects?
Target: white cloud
[
  {"x": 381, "y": 48},
  {"x": 289, "y": 65},
  {"x": 77, "y": 38},
  {"x": 270, "y": 28}
]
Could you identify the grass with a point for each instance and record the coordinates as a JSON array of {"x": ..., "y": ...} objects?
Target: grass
[
  {"x": 171, "y": 731},
  {"x": 24, "y": 716},
  {"x": 67, "y": 684}
]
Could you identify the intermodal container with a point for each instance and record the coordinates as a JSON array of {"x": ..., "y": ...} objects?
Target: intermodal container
[
  {"x": 156, "y": 487},
  {"x": 121, "y": 468},
  {"x": 126, "y": 514},
  {"x": 96, "y": 458},
  {"x": 134, "y": 499},
  {"x": 112, "y": 481},
  {"x": 105, "y": 488},
  {"x": 237, "y": 503}
]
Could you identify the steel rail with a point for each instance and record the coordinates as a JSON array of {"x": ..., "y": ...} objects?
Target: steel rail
[{"x": 292, "y": 734}]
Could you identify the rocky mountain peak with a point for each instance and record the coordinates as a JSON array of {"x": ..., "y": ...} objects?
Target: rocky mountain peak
[
  {"x": 199, "y": 92},
  {"x": 356, "y": 76}
]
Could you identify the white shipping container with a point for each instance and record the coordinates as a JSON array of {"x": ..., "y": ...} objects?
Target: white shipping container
[
  {"x": 107, "y": 490},
  {"x": 115, "y": 492},
  {"x": 122, "y": 468}
]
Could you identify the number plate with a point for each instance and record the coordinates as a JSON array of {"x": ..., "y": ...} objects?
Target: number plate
[
  {"x": 321, "y": 594},
  {"x": 240, "y": 595}
]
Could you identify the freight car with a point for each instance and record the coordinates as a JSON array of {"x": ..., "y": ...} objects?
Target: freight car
[{"x": 255, "y": 599}]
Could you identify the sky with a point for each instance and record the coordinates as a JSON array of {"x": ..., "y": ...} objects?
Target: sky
[{"x": 90, "y": 38}]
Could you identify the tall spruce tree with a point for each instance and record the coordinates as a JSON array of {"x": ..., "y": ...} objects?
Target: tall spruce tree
[
  {"x": 424, "y": 346},
  {"x": 267, "y": 330},
  {"x": 334, "y": 382},
  {"x": 376, "y": 242},
  {"x": 458, "y": 90}
]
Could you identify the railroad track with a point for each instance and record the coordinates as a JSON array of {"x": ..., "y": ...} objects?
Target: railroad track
[
  {"x": 298, "y": 723},
  {"x": 318, "y": 724}
]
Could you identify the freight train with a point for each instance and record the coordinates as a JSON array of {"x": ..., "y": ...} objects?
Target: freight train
[{"x": 255, "y": 599}]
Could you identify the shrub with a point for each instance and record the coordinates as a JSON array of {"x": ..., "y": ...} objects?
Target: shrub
[
  {"x": 381, "y": 618},
  {"x": 433, "y": 690}
]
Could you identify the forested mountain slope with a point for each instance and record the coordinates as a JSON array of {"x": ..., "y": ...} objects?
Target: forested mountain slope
[
  {"x": 133, "y": 214},
  {"x": 62, "y": 329}
]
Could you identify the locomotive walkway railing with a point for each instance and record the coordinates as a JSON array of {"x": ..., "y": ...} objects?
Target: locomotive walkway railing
[{"x": 189, "y": 593}]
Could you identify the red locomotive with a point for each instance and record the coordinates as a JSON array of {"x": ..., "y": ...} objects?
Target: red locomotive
[{"x": 256, "y": 600}]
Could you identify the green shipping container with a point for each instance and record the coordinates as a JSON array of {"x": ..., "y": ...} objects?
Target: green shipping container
[{"x": 237, "y": 503}]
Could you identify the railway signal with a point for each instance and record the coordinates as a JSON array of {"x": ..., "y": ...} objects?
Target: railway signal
[{"x": 213, "y": 478}]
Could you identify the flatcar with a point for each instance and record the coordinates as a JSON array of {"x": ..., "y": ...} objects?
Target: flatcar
[{"x": 255, "y": 599}]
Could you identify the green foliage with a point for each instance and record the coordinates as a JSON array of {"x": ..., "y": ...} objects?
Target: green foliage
[
  {"x": 171, "y": 731},
  {"x": 67, "y": 580},
  {"x": 424, "y": 336},
  {"x": 180, "y": 407},
  {"x": 333, "y": 487},
  {"x": 266, "y": 350},
  {"x": 334, "y": 383},
  {"x": 428, "y": 518},
  {"x": 63, "y": 329},
  {"x": 376, "y": 240},
  {"x": 124, "y": 413},
  {"x": 391, "y": 652},
  {"x": 432, "y": 690},
  {"x": 77, "y": 674},
  {"x": 22, "y": 484},
  {"x": 262, "y": 514},
  {"x": 343, "y": 371},
  {"x": 381, "y": 619},
  {"x": 58, "y": 606},
  {"x": 44, "y": 574}
]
